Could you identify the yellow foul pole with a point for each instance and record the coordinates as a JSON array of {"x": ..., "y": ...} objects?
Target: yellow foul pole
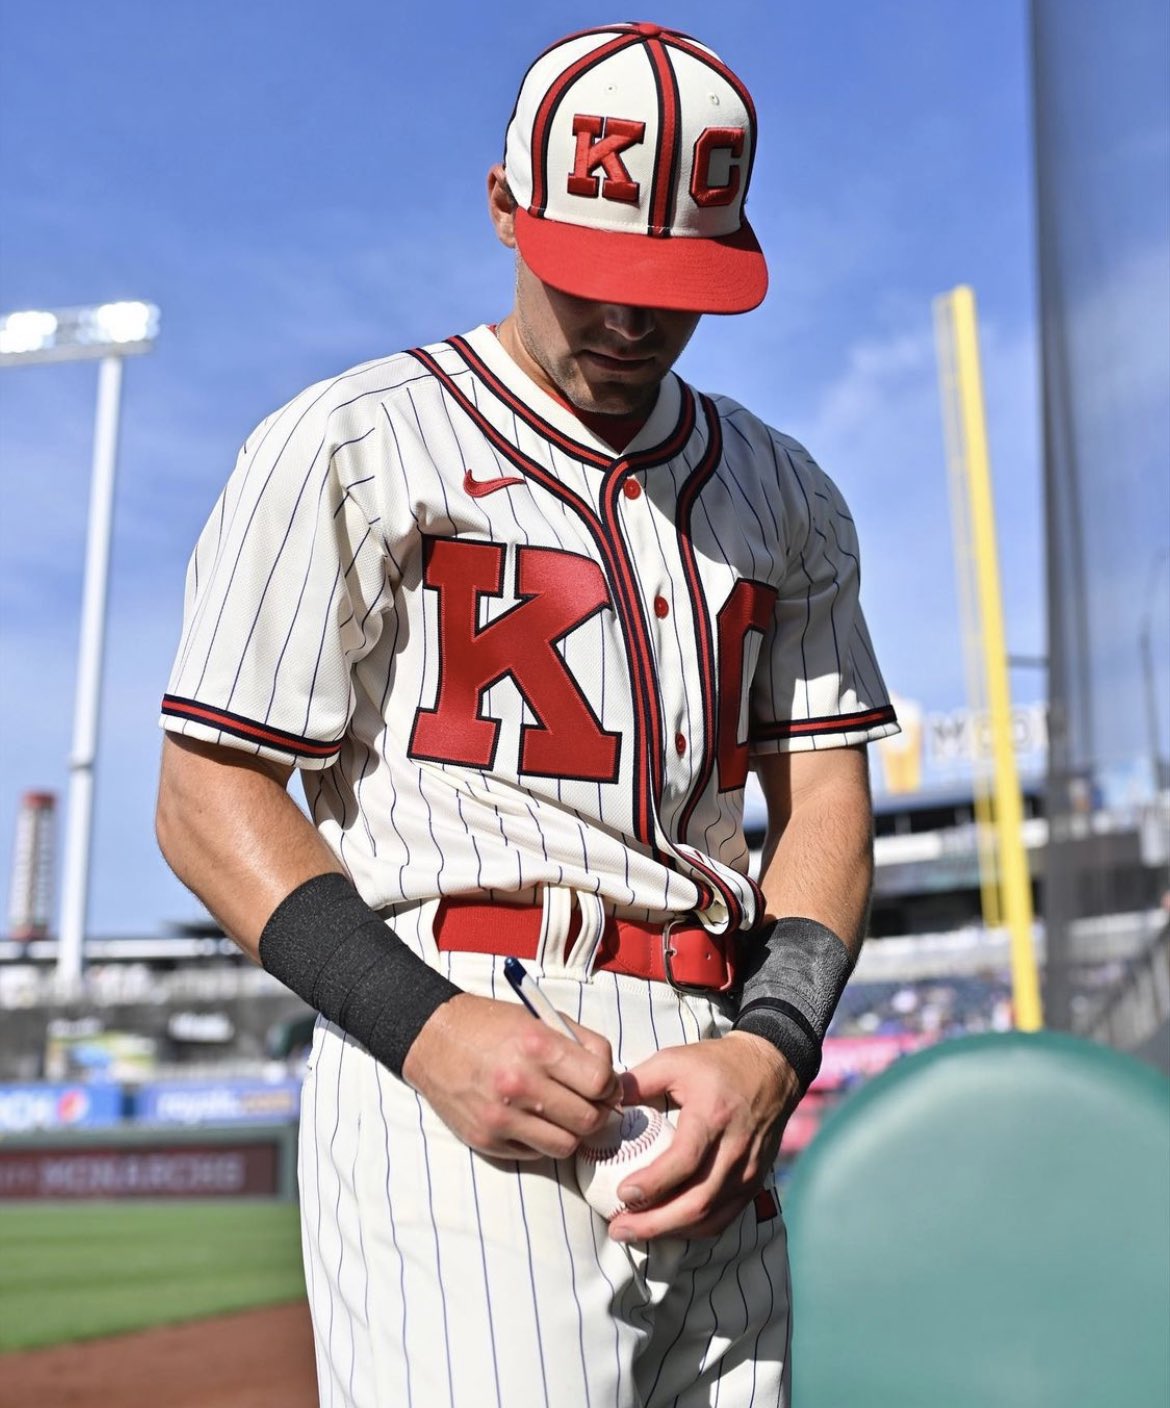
[
  {"x": 964, "y": 418},
  {"x": 968, "y": 594}
]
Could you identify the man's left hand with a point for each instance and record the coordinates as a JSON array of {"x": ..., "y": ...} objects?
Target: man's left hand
[{"x": 733, "y": 1096}]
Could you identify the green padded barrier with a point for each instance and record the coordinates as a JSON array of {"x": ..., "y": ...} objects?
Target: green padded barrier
[{"x": 987, "y": 1225}]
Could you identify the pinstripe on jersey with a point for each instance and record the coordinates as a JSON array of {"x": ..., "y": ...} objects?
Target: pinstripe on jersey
[{"x": 346, "y": 556}]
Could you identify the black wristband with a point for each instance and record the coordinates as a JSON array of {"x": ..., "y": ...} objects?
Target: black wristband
[
  {"x": 325, "y": 943},
  {"x": 796, "y": 972}
]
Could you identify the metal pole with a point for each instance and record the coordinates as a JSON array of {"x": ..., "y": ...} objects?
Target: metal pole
[
  {"x": 1147, "y": 655},
  {"x": 1145, "y": 649},
  {"x": 87, "y": 707}
]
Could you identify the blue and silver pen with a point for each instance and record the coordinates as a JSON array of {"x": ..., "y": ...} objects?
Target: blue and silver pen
[{"x": 531, "y": 996}]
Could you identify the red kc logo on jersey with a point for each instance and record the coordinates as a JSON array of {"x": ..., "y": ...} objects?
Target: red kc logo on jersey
[
  {"x": 748, "y": 608},
  {"x": 557, "y": 591},
  {"x": 600, "y": 142},
  {"x": 710, "y": 141}
]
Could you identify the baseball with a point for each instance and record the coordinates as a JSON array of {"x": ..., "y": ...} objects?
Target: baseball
[{"x": 630, "y": 1140}]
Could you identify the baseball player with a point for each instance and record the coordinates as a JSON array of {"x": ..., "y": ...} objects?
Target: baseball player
[{"x": 523, "y": 608}]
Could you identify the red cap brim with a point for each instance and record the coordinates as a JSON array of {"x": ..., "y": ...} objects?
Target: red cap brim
[{"x": 724, "y": 275}]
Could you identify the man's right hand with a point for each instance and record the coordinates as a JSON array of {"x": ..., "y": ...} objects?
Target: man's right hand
[{"x": 507, "y": 1085}]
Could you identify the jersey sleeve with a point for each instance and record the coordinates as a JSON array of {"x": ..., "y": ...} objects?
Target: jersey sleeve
[
  {"x": 285, "y": 592},
  {"x": 817, "y": 683}
]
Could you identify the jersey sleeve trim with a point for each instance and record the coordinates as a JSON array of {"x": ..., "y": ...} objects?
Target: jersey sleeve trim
[
  {"x": 831, "y": 723},
  {"x": 191, "y": 710}
]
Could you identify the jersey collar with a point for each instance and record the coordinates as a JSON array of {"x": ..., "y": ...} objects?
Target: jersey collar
[{"x": 544, "y": 408}]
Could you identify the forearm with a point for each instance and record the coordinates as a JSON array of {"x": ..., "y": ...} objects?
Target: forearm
[
  {"x": 817, "y": 876},
  {"x": 232, "y": 834},
  {"x": 819, "y": 863},
  {"x": 230, "y": 831}
]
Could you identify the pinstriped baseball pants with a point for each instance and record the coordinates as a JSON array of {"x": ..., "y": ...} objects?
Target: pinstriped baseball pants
[{"x": 438, "y": 1278}]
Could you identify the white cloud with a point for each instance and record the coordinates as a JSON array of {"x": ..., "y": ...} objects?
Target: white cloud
[{"x": 877, "y": 429}]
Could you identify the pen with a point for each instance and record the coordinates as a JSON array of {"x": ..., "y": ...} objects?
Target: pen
[
  {"x": 525, "y": 988},
  {"x": 531, "y": 996}
]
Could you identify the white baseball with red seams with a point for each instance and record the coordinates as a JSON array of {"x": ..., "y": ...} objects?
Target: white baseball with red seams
[{"x": 630, "y": 1139}]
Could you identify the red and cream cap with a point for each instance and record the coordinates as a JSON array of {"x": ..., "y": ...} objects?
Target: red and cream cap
[{"x": 629, "y": 154}]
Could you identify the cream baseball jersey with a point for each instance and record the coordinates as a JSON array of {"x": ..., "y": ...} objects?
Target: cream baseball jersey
[{"x": 502, "y": 654}]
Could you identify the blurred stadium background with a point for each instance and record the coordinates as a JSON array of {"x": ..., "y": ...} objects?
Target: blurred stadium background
[{"x": 173, "y": 1071}]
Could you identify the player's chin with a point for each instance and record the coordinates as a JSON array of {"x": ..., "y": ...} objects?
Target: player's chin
[{"x": 606, "y": 397}]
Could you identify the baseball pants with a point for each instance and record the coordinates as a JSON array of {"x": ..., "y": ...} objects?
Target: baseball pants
[{"x": 438, "y": 1278}]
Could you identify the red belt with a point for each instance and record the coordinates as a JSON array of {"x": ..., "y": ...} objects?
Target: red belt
[{"x": 686, "y": 955}]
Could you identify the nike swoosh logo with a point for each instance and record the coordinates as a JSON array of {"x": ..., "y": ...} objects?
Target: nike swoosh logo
[{"x": 477, "y": 488}]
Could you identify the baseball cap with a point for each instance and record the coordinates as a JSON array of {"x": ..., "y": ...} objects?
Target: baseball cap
[{"x": 629, "y": 153}]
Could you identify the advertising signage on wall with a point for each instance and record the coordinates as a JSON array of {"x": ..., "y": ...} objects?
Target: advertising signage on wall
[
  {"x": 25, "y": 1108},
  {"x": 945, "y": 748},
  {"x": 941, "y": 750},
  {"x": 160, "y": 1171},
  {"x": 218, "y": 1102}
]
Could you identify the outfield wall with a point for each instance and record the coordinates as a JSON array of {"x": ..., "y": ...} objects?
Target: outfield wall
[{"x": 134, "y": 1161}]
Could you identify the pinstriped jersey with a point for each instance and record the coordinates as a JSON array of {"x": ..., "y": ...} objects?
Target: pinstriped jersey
[{"x": 504, "y": 655}]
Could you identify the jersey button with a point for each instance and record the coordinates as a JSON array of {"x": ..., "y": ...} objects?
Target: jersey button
[
  {"x": 680, "y": 744},
  {"x": 632, "y": 489},
  {"x": 661, "y": 607}
]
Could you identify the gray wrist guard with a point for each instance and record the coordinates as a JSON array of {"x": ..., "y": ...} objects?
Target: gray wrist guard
[
  {"x": 325, "y": 943},
  {"x": 796, "y": 972}
]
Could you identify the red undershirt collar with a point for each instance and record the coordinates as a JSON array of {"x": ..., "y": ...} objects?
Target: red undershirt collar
[{"x": 616, "y": 431}]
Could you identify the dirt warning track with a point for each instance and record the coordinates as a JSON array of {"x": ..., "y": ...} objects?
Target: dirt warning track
[{"x": 252, "y": 1359}]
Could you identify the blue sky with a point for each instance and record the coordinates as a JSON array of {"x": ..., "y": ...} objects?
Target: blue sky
[{"x": 299, "y": 187}]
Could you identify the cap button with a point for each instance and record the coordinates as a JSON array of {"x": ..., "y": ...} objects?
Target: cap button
[{"x": 651, "y": 31}]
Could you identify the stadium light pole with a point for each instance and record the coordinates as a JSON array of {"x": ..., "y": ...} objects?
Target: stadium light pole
[
  {"x": 109, "y": 332},
  {"x": 1146, "y": 652}
]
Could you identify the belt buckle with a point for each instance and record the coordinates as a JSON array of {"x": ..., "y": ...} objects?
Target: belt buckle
[{"x": 687, "y": 989}]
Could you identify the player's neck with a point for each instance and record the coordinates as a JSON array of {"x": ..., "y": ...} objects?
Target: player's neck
[{"x": 616, "y": 430}]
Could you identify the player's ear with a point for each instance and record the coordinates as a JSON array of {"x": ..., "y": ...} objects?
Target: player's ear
[{"x": 501, "y": 206}]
